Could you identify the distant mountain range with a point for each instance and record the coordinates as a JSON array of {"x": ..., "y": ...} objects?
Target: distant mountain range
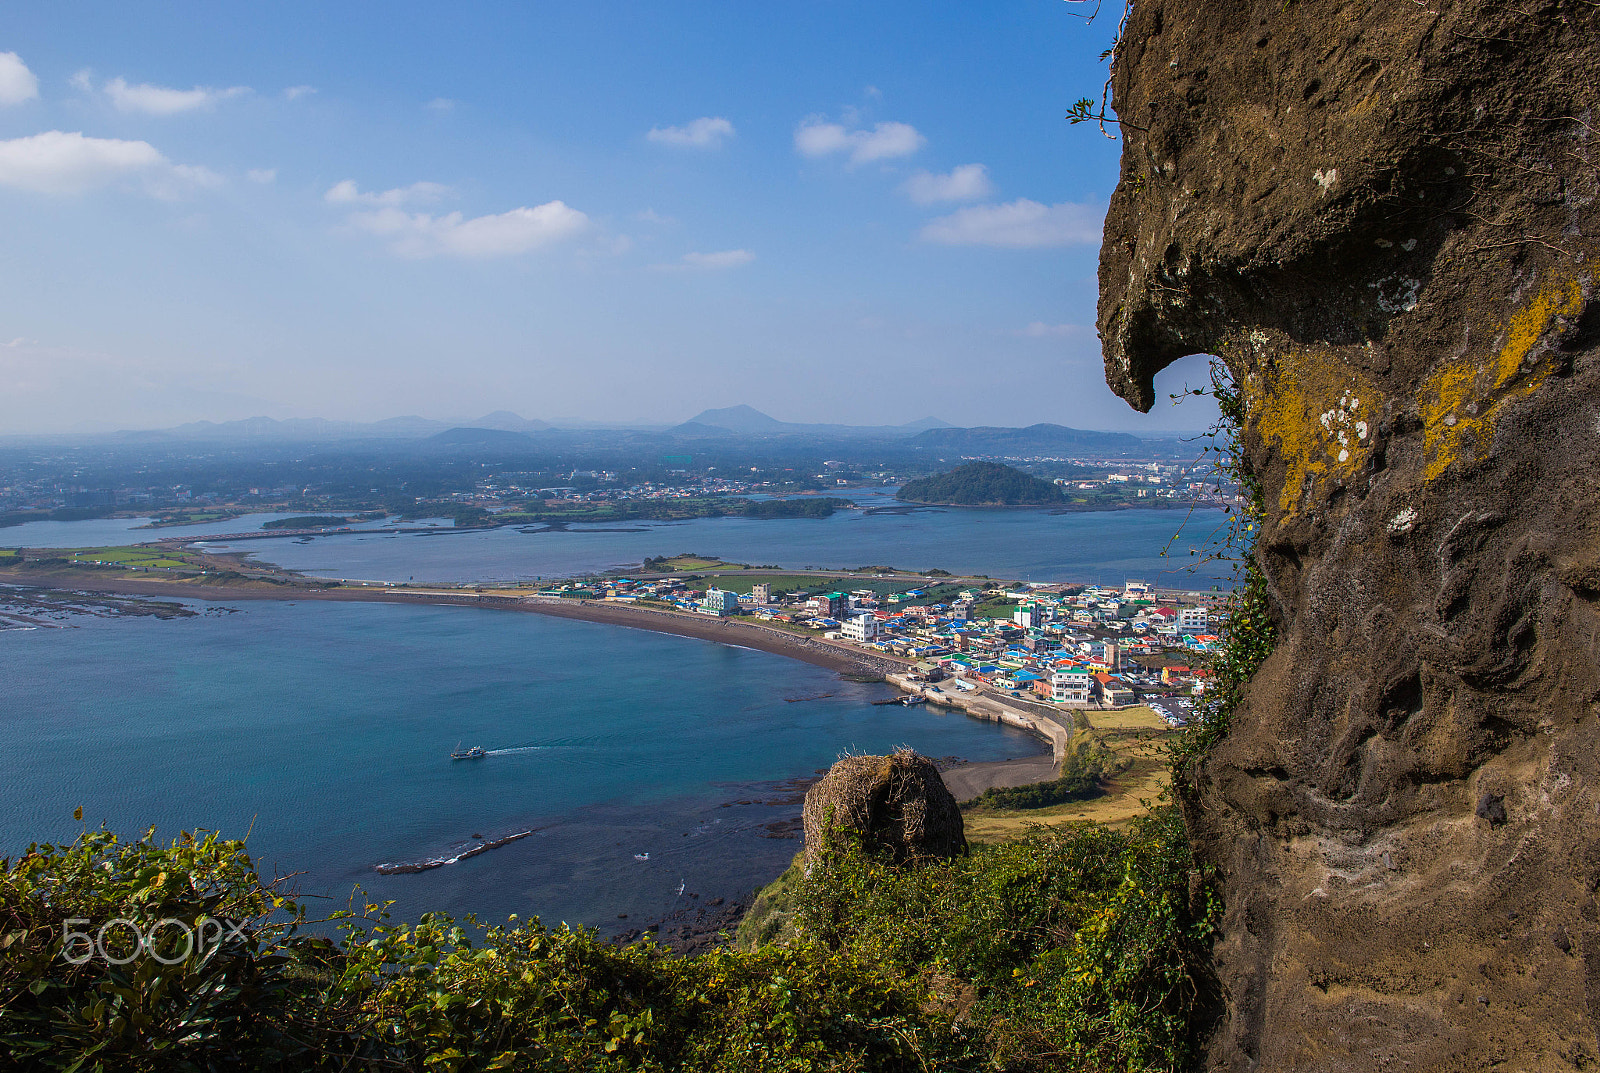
[
  {"x": 748, "y": 421},
  {"x": 728, "y": 424},
  {"x": 319, "y": 429}
]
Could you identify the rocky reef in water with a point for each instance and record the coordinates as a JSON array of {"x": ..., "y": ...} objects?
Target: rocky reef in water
[{"x": 1383, "y": 219}]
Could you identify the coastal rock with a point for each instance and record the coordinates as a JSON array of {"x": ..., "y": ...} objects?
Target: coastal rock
[
  {"x": 1383, "y": 218},
  {"x": 897, "y": 803}
]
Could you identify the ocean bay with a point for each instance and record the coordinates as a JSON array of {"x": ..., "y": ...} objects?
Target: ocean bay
[
  {"x": 1030, "y": 545},
  {"x": 325, "y": 730}
]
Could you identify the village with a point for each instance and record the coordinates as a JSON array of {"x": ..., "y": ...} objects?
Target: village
[{"x": 1066, "y": 646}]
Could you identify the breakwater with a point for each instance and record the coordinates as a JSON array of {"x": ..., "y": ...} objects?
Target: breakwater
[{"x": 982, "y": 706}]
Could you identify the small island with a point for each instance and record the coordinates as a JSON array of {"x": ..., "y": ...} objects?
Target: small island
[{"x": 983, "y": 484}]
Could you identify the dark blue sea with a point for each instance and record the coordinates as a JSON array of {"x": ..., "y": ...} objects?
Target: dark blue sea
[
  {"x": 1165, "y": 547},
  {"x": 1030, "y": 545},
  {"x": 324, "y": 731}
]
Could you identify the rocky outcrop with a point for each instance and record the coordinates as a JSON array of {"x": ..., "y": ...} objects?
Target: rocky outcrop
[
  {"x": 896, "y": 804},
  {"x": 1383, "y": 219}
]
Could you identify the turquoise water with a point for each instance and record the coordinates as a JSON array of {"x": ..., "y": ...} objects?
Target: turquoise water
[{"x": 325, "y": 730}]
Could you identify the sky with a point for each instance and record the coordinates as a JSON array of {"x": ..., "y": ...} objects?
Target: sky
[{"x": 577, "y": 211}]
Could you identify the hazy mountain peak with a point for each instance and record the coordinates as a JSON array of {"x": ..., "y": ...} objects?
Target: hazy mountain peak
[
  {"x": 739, "y": 418},
  {"x": 506, "y": 421}
]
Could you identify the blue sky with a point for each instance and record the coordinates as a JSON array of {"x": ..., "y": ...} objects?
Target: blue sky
[{"x": 624, "y": 212}]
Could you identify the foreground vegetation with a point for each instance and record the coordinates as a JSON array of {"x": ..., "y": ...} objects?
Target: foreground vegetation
[{"x": 1078, "y": 949}]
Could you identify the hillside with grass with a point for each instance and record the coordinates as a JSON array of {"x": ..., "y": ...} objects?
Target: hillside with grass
[{"x": 983, "y": 484}]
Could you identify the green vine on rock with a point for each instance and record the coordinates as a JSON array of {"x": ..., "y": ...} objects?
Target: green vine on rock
[{"x": 1249, "y": 630}]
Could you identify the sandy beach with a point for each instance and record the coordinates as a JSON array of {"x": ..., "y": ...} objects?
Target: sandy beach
[{"x": 969, "y": 780}]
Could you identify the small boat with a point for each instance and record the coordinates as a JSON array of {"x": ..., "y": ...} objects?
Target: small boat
[
  {"x": 641, "y": 856},
  {"x": 475, "y": 753}
]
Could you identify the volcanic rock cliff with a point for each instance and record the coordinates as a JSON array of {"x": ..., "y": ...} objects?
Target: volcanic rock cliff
[{"x": 1383, "y": 219}]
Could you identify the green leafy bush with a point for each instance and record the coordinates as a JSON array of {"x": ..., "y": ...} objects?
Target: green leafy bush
[
  {"x": 1249, "y": 625},
  {"x": 1078, "y": 947},
  {"x": 1082, "y": 948}
]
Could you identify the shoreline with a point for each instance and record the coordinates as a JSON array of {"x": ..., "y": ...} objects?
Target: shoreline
[
  {"x": 725, "y": 631},
  {"x": 974, "y": 777}
]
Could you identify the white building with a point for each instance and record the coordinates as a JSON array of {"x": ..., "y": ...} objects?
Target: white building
[
  {"x": 1028, "y": 616},
  {"x": 861, "y": 629},
  {"x": 718, "y": 602},
  {"x": 1070, "y": 685},
  {"x": 1193, "y": 620}
]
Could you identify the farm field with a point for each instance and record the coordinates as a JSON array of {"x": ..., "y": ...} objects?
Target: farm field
[{"x": 1138, "y": 737}]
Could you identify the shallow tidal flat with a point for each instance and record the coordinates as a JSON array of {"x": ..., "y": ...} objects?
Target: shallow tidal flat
[{"x": 325, "y": 730}]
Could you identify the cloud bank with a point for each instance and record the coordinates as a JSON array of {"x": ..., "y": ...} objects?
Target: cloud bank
[
  {"x": 969, "y": 182},
  {"x": 885, "y": 141},
  {"x": 162, "y": 101},
  {"x": 57, "y": 162},
  {"x": 505, "y": 234},
  {"x": 1020, "y": 224},
  {"x": 706, "y": 132},
  {"x": 17, "y": 83},
  {"x": 720, "y": 259},
  {"x": 348, "y": 193}
]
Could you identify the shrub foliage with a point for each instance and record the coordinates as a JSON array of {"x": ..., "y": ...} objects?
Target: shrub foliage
[{"x": 1064, "y": 950}]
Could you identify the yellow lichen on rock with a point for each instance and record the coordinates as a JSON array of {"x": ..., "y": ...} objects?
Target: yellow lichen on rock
[
  {"x": 1461, "y": 400},
  {"x": 1315, "y": 412}
]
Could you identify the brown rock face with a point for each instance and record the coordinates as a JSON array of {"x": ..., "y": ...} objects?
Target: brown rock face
[
  {"x": 897, "y": 803},
  {"x": 1384, "y": 217}
]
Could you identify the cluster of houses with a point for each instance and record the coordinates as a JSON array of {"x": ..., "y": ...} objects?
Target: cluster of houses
[{"x": 1069, "y": 645}]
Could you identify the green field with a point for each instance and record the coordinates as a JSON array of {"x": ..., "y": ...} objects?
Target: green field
[
  {"x": 994, "y": 609},
  {"x": 133, "y": 558},
  {"x": 679, "y": 564}
]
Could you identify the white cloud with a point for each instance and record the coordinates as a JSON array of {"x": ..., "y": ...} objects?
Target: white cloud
[
  {"x": 1040, "y": 330},
  {"x": 57, "y": 162},
  {"x": 969, "y": 182},
  {"x": 440, "y": 105},
  {"x": 347, "y": 193},
  {"x": 160, "y": 100},
  {"x": 1020, "y": 224},
  {"x": 507, "y": 233},
  {"x": 262, "y": 175},
  {"x": 720, "y": 259},
  {"x": 294, "y": 93},
  {"x": 816, "y": 137},
  {"x": 17, "y": 83},
  {"x": 707, "y": 132}
]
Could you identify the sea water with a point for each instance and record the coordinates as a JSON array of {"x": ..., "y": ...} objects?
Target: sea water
[
  {"x": 324, "y": 730},
  {"x": 1164, "y": 547}
]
